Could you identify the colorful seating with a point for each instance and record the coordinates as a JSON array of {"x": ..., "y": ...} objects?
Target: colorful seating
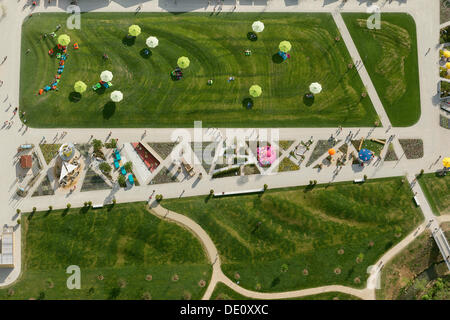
[
  {"x": 116, "y": 164},
  {"x": 123, "y": 171},
  {"x": 130, "y": 179}
]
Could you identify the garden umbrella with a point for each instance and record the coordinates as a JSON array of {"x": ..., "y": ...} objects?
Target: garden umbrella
[
  {"x": 152, "y": 42},
  {"x": 365, "y": 155},
  {"x": 446, "y": 53},
  {"x": 116, "y": 96},
  {"x": 331, "y": 151},
  {"x": 315, "y": 87},
  {"x": 255, "y": 90},
  {"x": 106, "y": 76},
  {"x": 446, "y": 162},
  {"x": 134, "y": 30},
  {"x": 80, "y": 87},
  {"x": 258, "y": 26},
  {"x": 285, "y": 46},
  {"x": 183, "y": 62},
  {"x": 64, "y": 40}
]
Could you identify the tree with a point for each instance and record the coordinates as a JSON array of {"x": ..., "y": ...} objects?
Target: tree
[
  {"x": 315, "y": 182},
  {"x": 105, "y": 167},
  {"x": 265, "y": 187},
  {"x": 34, "y": 209},
  {"x": 114, "y": 201},
  {"x": 211, "y": 192},
  {"x": 159, "y": 197},
  {"x": 68, "y": 206},
  {"x": 90, "y": 203},
  {"x": 50, "y": 208},
  {"x": 284, "y": 267},
  {"x": 85, "y": 203},
  {"x": 365, "y": 177},
  {"x": 18, "y": 211},
  {"x": 128, "y": 166},
  {"x": 18, "y": 221}
]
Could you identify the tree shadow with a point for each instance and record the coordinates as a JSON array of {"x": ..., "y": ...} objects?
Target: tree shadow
[
  {"x": 65, "y": 212},
  {"x": 109, "y": 109},
  {"x": 74, "y": 96},
  {"x": 307, "y": 100},
  {"x": 145, "y": 53},
  {"x": 247, "y": 103},
  {"x": 252, "y": 36},
  {"x": 129, "y": 41},
  {"x": 276, "y": 58}
]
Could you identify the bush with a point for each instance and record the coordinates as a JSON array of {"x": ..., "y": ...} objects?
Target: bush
[
  {"x": 112, "y": 144},
  {"x": 105, "y": 167},
  {"x": 128, "y": 166},
  {"x": 97, "y": 144},
  {"x": 122, "y": 181}
]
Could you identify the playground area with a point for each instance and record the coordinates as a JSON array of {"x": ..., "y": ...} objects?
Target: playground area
[{"x": 157, "y": 92}]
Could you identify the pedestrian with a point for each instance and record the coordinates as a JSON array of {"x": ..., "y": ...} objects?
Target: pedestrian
[{"x": 4, "y": 59}]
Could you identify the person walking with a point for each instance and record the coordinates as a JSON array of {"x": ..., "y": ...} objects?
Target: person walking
[{"x": 4, "y": 59}]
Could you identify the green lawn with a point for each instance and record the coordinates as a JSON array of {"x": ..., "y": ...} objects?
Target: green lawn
[
  {"x": 222, "y": 292},
  {"x": 437, "y": 191},
  {"x": 390, "y": 57},
  {"x": 304, "y": 228},
  {"x": 124, "y": 244},
  {"x": 215, "y": 46}
]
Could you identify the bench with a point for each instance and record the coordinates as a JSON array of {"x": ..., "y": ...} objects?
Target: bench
[
  {"x": 358, "y": 180},
  {"x": 96, "y": 206},
  {"x": 416, "y": 200}
]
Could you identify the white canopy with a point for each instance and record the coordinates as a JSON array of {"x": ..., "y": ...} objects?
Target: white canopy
[
  {"x": 152, "y": 42},
  {"x": 66, "y": 169},
  {"x": 315, "y": 87},
  {"x": 116, "y": 96},
  {"x": 258, "y": 26},
  {"x": 106, "y": 76}
]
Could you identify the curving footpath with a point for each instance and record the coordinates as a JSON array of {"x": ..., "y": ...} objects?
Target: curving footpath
[{"x": 367, "y": 293}]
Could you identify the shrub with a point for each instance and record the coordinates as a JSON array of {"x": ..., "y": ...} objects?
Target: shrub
[
  {"x": 128, "y": 166},
  {"x": 97, "y": 144},
  {"x": 105, "y": 167},
  {"x": 122, "y": 181},
  {"x": 284, "y": 268}
]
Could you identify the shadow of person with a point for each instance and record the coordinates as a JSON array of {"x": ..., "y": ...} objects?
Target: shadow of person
[{"x": 109, "y": 109}]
